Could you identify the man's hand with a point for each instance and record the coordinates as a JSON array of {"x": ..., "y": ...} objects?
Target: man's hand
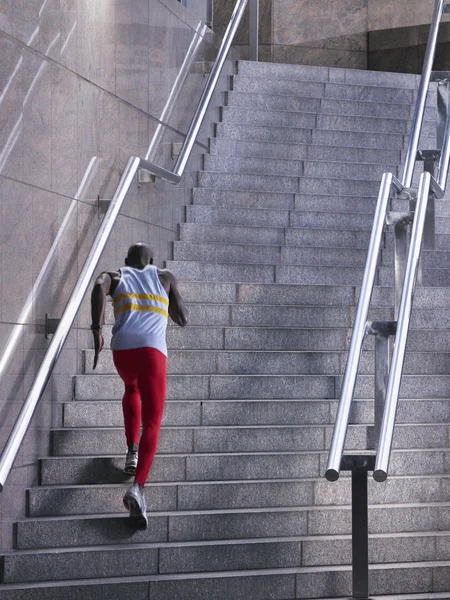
[{"x": 98, "y": 345}]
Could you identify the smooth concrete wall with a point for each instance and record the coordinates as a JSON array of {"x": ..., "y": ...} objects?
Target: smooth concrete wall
[
  {"x": 360, "y": 34},
  {"x": 83, "y": 86}
]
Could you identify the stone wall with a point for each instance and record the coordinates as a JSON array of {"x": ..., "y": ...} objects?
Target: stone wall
[
  {"x": 376, "y": 34},
  {"x": 83, "y": 86}
]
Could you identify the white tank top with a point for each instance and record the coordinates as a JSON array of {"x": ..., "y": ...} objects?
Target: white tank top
[{"x": 140, "y": 309}]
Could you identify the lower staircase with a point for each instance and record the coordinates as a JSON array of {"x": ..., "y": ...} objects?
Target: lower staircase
[{"x": 270, "y": 259}]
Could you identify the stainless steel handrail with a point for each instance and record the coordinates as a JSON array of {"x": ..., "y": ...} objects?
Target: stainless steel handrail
[
  {"x": 404, "y": 317},
  {"x": 359, "y": 328},
  {"x": 189, "y": 141},
  {"x": 389, "y": 182},
  {"x": 53, "y": 352}
]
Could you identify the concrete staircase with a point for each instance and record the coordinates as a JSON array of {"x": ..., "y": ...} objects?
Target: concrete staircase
[{"x": 270, "y": 259}]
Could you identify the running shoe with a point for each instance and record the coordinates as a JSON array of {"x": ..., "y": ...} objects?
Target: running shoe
[
  {"x": 134, "y": 501},
  {"x": 131, "y": 463}
]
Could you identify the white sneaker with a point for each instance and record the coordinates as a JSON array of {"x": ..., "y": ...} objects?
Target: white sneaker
[{"x": 134, "y": 501}]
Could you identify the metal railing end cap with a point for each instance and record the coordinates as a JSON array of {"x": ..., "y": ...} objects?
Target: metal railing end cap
[
  {"x": 380, "y": 475},
  {"x": 331, "y": 475}
]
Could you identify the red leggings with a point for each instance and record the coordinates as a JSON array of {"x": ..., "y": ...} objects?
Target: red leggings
[{"x": 143, "y": 371}]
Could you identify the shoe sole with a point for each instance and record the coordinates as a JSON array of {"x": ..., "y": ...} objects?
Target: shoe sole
[
  {"x": 130, "y": 470},
  {"x": 138, "y": 519}
]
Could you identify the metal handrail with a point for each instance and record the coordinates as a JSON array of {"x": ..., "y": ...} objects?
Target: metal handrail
[
  {"x": 404, "y": 317},
  {"x": 389, "y": 182},
  {"x": 135, "y": 163}
]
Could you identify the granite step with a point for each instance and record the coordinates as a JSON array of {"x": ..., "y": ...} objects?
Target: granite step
[
  {"x": 239, "y": 234},
  {"x": 181, "y": 387},
  {"x": 265, "y": 133},
  {"x": 320, "y": 411},
  {"x": 198, "y": 271},
  {"x": 177, "y": 526},
  {"x": 343, "y": 76},
  {"x": 95, "y": 470},
  {"x": 238, "y": 362},
  {"x": 239, "y": 439},
  {"x": 430, "y": 276},
  {"x": 275, "y": 118},
  {"x": 304, "y": 316},
  {"x": 339, "y": 122},
  {"x": 302, "y": 295},
  {"x": 296, "y": 168},
  {"x": 413, "y": 581},
  {"x": 227, "y": 147},
  {"x": 283, "y": 218},
  {"x": 313, "y": 89},
  {"x": 293, "y": 103},
  {"x": 215, "y": 556},
  {"x": 101, "y": 499},
  {"x": 147, "y": 559}
]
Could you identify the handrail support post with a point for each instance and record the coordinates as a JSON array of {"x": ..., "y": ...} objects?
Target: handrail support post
[
  {"x": 359, "y": 465},
  {"x": 382, "y": 331},
  {"x": 253, "y": 45}
]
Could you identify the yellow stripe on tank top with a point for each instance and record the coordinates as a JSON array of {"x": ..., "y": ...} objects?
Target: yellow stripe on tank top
[
  {"x": 140, "y": 297},
  {"x": 131, "y": 306}
]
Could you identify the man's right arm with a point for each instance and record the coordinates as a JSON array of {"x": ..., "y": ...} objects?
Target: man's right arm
[{"x": 102, "y": 288}]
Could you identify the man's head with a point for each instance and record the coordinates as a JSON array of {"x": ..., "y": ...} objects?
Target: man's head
[{"x": 139, "y": 256}]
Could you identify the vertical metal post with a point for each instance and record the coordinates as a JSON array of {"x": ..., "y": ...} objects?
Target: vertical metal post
[
  {"x": 442, "y": 112},
  {"x": 360, "y": 534},
  {"x": 210, "y": 13},
  {"x": 359, "y": 465},
  {"x": 253, "y": 45},
  {"x": 381, "y": 379},
  {"x": 422, "y": 93},
  {"x": 400, "y": 253}
]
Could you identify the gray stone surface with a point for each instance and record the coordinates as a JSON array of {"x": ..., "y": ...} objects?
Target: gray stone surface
[
  {"x": 110, "y": 387},
  {"x": 95, "y": 470},
  {"x": 244, "y": 495},
  {"x": 263, "y": 133},
  {"x": 275, "y": 118},
  {"x": 270, "y": 438},
  {"x": 50, "y": 565},
  {"x": 199, "y": 271},
  {"x": 115, "y": 589},
  {"x": 229, "y": 557},
  {"x": 93, "y": 441},
  {"x": 282, "y": 466},
  {"x": 290, "y": 151},
  {"x": 318, "y": 275},
  {"x": 87, "y": 531},
  {"x": 327, "y": 238},
  {"x": 237, "y": 216},
  {"x": 195, "y": 232},
  {"x": 278, "y": 587},
  {"x": 265, "y": 200},
  {"x": 285, "y": 339},
  {"x": 242, "y": 525},
  {"x": 258, "y": 412},
  {"x": 226, "y": 254},
  {"x": 95, "y": 499},
  {"x": 268, "y": 166},
  {"x": 229, "y": 181}
]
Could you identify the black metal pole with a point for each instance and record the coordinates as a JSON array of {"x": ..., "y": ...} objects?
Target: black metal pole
[
  {"x": 359, "y": 465},
  {"x": 360, "y": 534}
]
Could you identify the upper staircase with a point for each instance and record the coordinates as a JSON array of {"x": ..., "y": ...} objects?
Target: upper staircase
[{"x": 270, "y": 259}]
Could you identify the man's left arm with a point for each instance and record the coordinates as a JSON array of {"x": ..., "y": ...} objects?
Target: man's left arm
[{"x": 177, "y": 309}]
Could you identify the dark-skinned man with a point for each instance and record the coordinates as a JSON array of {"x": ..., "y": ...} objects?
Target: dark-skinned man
[{"x": 143, "y": 297}]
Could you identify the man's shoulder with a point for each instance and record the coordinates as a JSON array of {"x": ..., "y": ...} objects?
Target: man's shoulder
[{"x": 165, "y": 274}]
